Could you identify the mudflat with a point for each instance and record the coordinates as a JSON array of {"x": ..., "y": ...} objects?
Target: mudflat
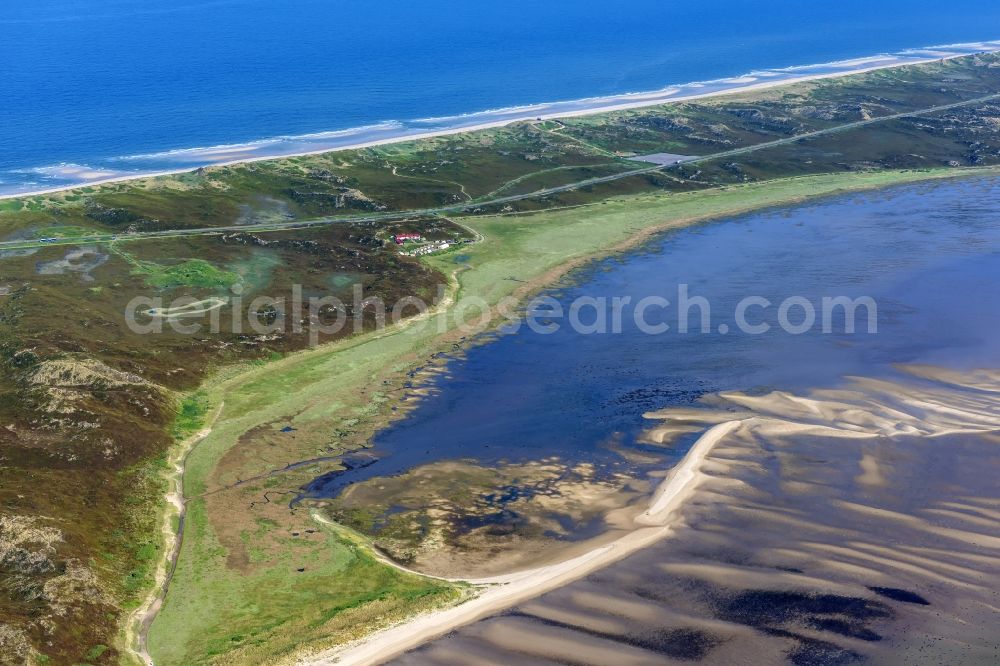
[{"x": 837, "y": 526}]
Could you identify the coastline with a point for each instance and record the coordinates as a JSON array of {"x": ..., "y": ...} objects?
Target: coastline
[
  {"x": 598, "y": 105},
  {"x": 788, "y": 192},
  {"x": 774, "y": 416},
  {"x": 511, "y": 589},
  {"x": 797, "y": 515}
]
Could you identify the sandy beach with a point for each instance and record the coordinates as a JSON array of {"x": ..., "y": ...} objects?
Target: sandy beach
[
  {"x": 722, "y": 472},
  {"x": 93, "y": 176}
]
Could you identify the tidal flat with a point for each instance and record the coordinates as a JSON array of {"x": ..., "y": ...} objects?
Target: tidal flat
[
  {"x": 832, "y": 526},
  {"x": 370, "y": 377}
]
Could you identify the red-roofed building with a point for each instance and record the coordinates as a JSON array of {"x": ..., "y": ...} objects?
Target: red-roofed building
[{"x": 402, "y": 238}]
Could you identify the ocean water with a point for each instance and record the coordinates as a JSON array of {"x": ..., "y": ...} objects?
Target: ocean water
[
  {"x": 928, "y": 256},
  {"x": 99, "y": 88}
]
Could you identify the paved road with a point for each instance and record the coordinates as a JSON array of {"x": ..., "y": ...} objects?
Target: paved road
[{"x": 467, "y": 206}]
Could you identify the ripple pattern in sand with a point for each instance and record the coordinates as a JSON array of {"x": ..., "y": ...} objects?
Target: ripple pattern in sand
[{"x": 842, "y": 526}]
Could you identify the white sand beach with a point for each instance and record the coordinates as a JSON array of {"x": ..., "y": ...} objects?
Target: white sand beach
[{"x": 231, "y": 155}]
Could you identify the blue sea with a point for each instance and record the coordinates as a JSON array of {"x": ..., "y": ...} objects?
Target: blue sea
[{"x": 97, "y": 88}]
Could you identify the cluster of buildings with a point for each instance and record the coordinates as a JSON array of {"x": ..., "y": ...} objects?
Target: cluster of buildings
[
  {"x": 424, "y": 248},
  {"x": 436, "y": 246}
]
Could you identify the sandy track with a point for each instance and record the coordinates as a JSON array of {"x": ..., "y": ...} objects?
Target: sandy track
[{"x": 138, "y": 622}]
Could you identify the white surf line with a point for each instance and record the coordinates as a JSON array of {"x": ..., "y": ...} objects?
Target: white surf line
[
  {"x": 511, "y": 589},
  {"x": 458, "y": 208},
  {"x": 430, "y": 134}
]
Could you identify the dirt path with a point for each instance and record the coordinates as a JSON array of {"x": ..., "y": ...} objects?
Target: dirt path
[
  {"x": 580, "y": 142},
  {"x": 139, "y": 621},
  {"x": 461, "y": 187}
]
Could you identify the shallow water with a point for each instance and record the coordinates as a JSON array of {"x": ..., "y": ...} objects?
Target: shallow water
[
  {"x": 827, "y": 527},
  {"x": 928, "y": 255}
]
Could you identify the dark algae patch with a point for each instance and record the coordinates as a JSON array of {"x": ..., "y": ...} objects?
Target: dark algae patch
[
  {"x": 897, "y": 594},
  {"x": 814, "y": 652},
  {"x": 686, "y": 644},
  {"x": 779, "y": 613},
  {"x": 763, "y": 608}
]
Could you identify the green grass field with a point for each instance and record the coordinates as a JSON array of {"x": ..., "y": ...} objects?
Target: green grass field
[{"x": 265, "y": 617}]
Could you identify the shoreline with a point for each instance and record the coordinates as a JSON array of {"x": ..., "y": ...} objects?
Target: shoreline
[
  {"x": 652, "y": 524},
  {"x": 652, "y": 98},
  {"x": 723, "y": 478},
  {"x": 511, "y": 589},
  {"x": 662, "y": 519},
  {"x": 227, "y": 380}
]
